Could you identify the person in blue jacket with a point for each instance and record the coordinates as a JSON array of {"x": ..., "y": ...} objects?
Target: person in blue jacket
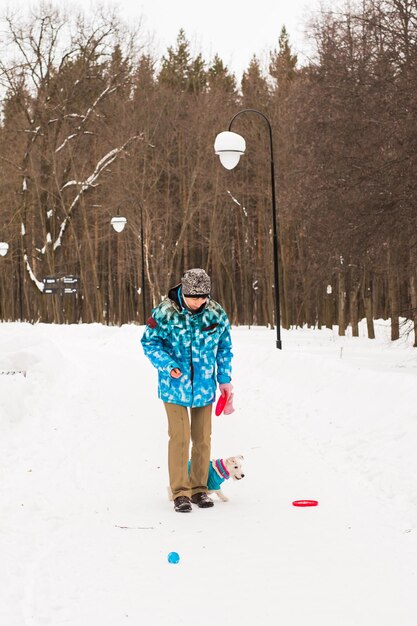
[{"x": 187, "y": 338}]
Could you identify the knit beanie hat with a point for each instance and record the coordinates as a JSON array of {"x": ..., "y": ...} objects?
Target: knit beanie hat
[{"x": 195, "y": 283}]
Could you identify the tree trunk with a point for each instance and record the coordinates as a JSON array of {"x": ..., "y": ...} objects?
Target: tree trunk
[
  {"x": 353, "y": 303},
  {"x": 393, "y": 296},
  {"x": 413, "y": 292},
  {"x": 285, "y": 292},
  {"x": 341, "y": 307},
  {"x": 353, "y": 306},
  {"x": 366, "y": 292}
]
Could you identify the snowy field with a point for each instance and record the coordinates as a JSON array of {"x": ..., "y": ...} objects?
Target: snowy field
[{"x": 86, "y": 527}]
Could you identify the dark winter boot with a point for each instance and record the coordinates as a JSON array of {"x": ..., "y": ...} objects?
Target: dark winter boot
[
  {"x": 202, "y": 500},
  {"x": 182, "y": 504}
]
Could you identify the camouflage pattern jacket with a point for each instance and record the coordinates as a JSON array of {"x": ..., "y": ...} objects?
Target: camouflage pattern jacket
[{"x": 199, "y": 344}]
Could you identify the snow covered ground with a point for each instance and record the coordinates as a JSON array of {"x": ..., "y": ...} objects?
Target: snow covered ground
[{"x": 85, "y": 524}]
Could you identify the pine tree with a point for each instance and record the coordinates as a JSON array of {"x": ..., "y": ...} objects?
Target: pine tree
[
  {"x": 144, "y": 79},
  {"x": 283, "y": 62},
  {"x": 16, "y": 106},
  {"x": 254, "y": 86},
  {"x": 175, "y": 66},
  {"x": 197, "y": 75},
  {"x": 219, "y": 77},
  {"x": 118, "y": 70}
]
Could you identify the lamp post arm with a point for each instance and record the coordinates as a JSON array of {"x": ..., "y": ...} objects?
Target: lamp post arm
[
  {"x": 250, "y": 111},
  {"x": 274, "y": 220},
  {"x": 139, "y": 233}
]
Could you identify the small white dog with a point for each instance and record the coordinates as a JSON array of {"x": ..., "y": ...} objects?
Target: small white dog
[{"x": 219, "y": 471}]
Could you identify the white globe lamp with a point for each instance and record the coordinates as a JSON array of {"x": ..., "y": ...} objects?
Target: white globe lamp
[
  {"x": 118, "y": 223},
  {"x": 229, "y": 147},
  {"x": 4, "y": 247}
]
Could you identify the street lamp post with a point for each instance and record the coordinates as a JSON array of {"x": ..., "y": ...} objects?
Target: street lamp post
[
  {"x": 142, "y": 264},
  {"x": 229, "y": 147},
  {"x": 118, "y": 224}
]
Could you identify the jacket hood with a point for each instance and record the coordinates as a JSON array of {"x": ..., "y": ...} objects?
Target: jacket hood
[{"x": 173, "y": 295}]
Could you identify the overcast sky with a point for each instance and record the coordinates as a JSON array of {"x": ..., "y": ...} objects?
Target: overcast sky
[{"x": 235, "y": 29}]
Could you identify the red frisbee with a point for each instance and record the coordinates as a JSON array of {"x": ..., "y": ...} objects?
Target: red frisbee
[
  {"x": 221, "y": 403},
  {"x": 305, "y": 503}
]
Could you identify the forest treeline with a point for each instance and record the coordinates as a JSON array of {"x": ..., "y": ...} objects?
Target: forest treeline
[{"x": 94, "y": 126}]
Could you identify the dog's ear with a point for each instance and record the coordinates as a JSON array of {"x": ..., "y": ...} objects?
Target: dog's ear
[{"x": 234, "y": 459}]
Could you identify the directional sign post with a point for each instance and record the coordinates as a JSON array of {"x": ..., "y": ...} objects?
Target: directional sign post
[
  {"x": 60, "y": 285},
  {"x": 51, "y": 284},
  {"x": 70, "y": 284}
]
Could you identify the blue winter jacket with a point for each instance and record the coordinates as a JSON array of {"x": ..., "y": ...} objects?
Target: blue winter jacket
[{"x": 198, "y": 343}]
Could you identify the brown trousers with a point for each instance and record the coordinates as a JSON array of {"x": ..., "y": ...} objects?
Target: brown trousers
[{"x": 180, "y": 433}]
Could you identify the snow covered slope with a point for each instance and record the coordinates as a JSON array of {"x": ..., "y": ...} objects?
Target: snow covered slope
[{"x": 85, "y": 524}]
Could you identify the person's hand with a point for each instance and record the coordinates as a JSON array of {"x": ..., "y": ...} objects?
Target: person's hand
[
  {"x": 226, "y": 389},
  {"x": 176, "y": 372}
]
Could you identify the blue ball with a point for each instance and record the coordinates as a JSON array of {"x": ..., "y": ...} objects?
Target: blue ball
[{"x": 173, "y": 557}]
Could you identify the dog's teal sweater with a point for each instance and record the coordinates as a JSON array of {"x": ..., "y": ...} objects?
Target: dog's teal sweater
[{"x": 214, "y": 480}]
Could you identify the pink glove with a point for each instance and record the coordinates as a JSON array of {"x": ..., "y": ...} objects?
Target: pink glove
[{"x": 226, "y": 389}]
